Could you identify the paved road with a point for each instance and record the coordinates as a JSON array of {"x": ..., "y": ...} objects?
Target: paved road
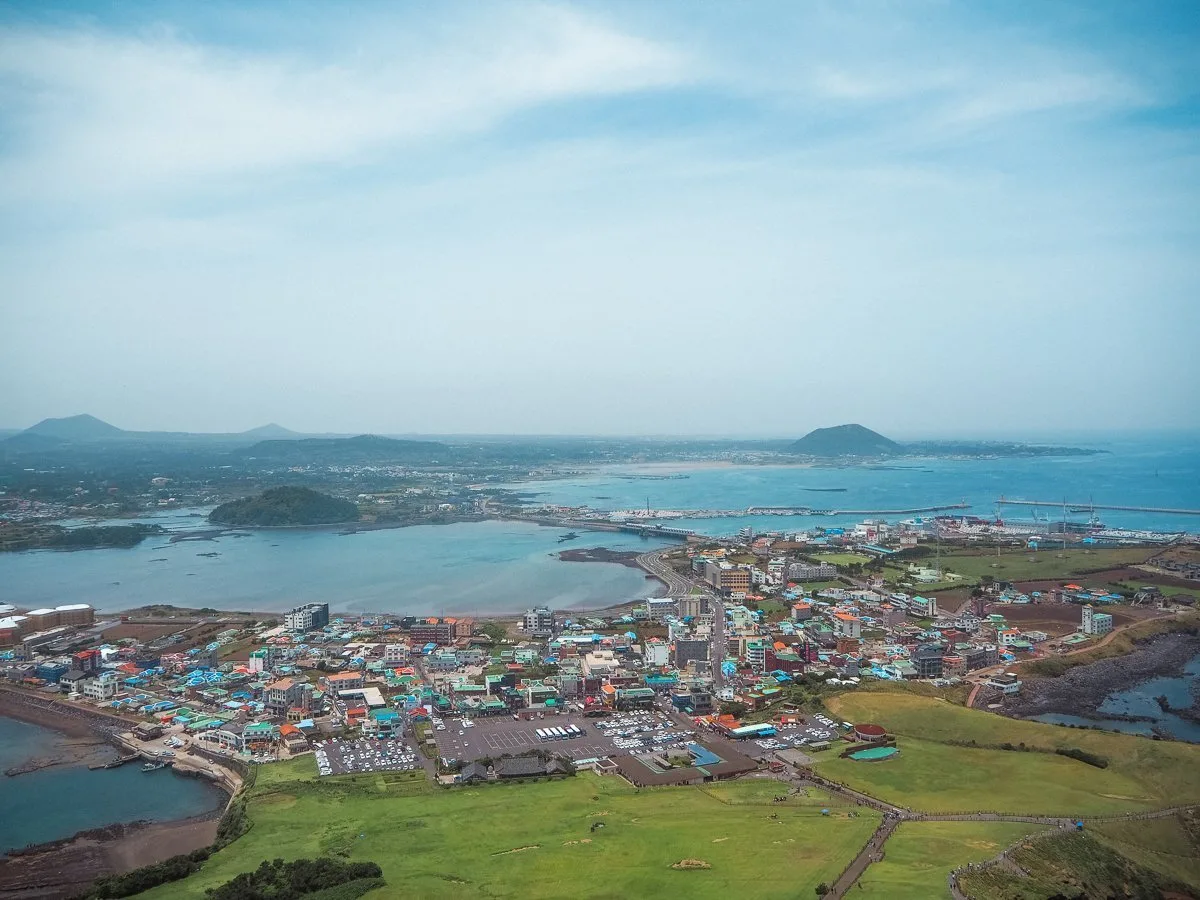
[{"x": 680, "y": 586}]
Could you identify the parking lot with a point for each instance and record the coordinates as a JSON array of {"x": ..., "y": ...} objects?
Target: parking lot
[
  {"x": 632, "y": 732},
  {"x": 798, "y": 736},
  {"x": 365, "y": 755}
]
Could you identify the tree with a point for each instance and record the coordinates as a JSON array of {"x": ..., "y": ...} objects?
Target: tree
[{"x": 822, "y": 889}]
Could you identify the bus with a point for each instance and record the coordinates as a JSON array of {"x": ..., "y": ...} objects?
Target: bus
[{"x": 541, "y": 733}]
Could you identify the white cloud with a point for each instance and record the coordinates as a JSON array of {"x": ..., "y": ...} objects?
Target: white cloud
[{"x": 101, "y": 111}]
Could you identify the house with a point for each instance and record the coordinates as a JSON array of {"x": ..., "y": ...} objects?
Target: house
[{"x": 1006, "y": 683}]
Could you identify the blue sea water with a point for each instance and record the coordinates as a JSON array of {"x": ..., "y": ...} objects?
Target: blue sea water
[
  {"x": 492, "y": 567},
  {"x": 57, "y": 802},
  {"x": 476, "y": 567},
  {"x": 1140, "y": 701},
  {"x": 1163, "y": 472}
]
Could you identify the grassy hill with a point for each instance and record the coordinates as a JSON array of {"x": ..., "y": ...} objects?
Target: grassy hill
[
  {"x": 535, "y": 840},
  {"x": 285, "y": 506},
  {"x": 845, "y": 440},
  {"x": 934, "y": 773}
]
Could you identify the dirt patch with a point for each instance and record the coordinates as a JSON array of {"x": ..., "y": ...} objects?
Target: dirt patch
[
  {"x": 691, "y": 864},
  {"x": 1069, "y": 614},
  {"x": 573, "y": 843},
  {"x": 143, "y": 633},
  {"x": 517, "y": 850},
  {"x": 63, "y": 869}
]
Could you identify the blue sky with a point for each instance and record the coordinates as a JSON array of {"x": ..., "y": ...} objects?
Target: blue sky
[{"x": 670, "y": 218}]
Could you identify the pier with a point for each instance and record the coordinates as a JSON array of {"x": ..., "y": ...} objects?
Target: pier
[{"x": 1055, "y": 504}]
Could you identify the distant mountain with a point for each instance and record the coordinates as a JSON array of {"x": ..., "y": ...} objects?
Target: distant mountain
[
  {"x": 285, "y": 506},
  {"x": 365, "y": 448},
  {"x": 267, "y": 432},
  {"x": 845, "y": 440},
  {"x": 76, "y": 428}
]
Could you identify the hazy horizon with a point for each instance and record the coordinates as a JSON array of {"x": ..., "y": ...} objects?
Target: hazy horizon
[
  {"x": 905, "y": 435},
  {"x": 602, "y": 219}
]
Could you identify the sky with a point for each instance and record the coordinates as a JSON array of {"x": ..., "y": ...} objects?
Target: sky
[{"x": 743, "y": 218}]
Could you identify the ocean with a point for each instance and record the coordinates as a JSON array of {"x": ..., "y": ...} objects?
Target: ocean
[
  {"x": 55, "y": 803},
  {"x": 494, "y": 567},
  {"x": 470, "y": 567}
]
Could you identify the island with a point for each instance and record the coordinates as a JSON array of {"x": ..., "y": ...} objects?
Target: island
[
  {"x": 285, "y": 506},
  {"x": 842, "y": 441}
]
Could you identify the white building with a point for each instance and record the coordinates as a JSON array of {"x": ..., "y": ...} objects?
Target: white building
[
  {"x": 1096, "y": 622},
  {"x": 103, "y": 688},
  {"x": 395, "y": 653},
  {"x": 657, "y": 652}
]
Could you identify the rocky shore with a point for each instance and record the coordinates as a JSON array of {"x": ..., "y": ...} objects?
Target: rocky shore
[
  {"x": 600, "y": 554},
  {"x": 61, "y": 869},
  {"x": 1080, "y": 691}
]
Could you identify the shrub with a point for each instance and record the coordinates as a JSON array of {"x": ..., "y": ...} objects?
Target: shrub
[{"x": 1092, "y": 759}]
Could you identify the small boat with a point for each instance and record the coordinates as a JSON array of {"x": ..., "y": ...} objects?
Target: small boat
[{"x": 153, "y": 766}]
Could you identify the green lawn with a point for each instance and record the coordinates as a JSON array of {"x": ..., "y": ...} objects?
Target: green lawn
[
  {"x": 1047, "y": 563},
  {"x": 919, "y": 856},
  {"x": 931, "y": 774},
  {"x": 843, "y": 559},
  {"x": 535, "y": 840}
]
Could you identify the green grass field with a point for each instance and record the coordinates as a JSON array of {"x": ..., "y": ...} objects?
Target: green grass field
[
  {"x": 843, "y": 559},
  {"x": 1046, "y": 563},
  {"x": 1170, "y": 846},
  {"x": 933, "y": 775},
  {"x": 1071, "y": 865},
  {"x": 535, "y": 840},
  {"x": 919, "y": 856}
]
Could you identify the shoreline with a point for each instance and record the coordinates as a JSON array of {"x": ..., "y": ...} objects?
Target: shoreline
[
  {"x": 1081, "y": 691},
  {"x": 62, "y": 868}
]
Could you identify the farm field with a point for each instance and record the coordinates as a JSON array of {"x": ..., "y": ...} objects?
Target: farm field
[
  {"x": 1045, "y": 563},
  {"x": 528, "y": 840},
  {"x": 935, "y": 775},
  {"x": 919, "y": 856}
]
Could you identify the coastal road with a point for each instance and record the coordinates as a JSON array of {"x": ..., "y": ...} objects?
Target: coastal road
[
  {"x": 680, "y": 586},
  {"x": 653, "y": 563}
]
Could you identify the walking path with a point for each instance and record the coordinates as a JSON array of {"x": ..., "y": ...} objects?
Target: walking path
[{"x": 894, "y": 815}]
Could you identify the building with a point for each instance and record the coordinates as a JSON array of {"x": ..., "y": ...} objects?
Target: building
[
  {"x": 847, "y": 625},
  {"x": 1005, "y": 684},
  {"x": 1096, "y": 622},
  {"x": 280, "y": 696},
  {"x": 691, "y": 650},
  {"x": 802, "y": 611},
  {"x": 432, "y": 631},
  {"x": 103, "y": 688},
  {"x": 927, "y": 659},
  {"x": 802, "y": 571},
  {"x": 307, "y": 618},
  {"x": 692, "y": 606},
  {"x": 599, "y": 664},
  {"x": 395, "y": 654},
  {"x": 923, "y": 607},
  {"x": 656, "y": 652},
  {"x": 345, "y": 681},
  {"x": 756, "y": 653},
  {"x": 539, "y": 621},
  {"x": 727, "y": 578}
]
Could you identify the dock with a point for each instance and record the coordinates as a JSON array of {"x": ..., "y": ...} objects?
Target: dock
[
  {"x": 115, "y": 763},
  {"x": 1056, "y": 504}
]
